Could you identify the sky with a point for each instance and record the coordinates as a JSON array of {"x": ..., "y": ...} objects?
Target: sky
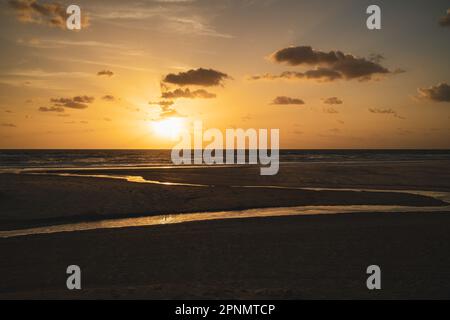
[{"x": 140, "y": 70}]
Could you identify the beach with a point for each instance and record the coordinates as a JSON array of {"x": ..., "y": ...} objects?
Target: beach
[
  {"x": 33, "y": 199},
  {"x": 309, "y": 257},
  {"x": 286, "y": 257}
]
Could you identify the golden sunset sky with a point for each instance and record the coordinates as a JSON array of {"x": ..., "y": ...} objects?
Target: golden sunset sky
[{"x": 310, "y": 68}]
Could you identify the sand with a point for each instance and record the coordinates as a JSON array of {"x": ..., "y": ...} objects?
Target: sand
[
  {"x": 28, "y": 200},
  {"x": 297, "y": 257}
]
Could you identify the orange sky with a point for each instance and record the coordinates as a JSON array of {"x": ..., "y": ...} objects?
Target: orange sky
[{"x": 102, "y": 86}]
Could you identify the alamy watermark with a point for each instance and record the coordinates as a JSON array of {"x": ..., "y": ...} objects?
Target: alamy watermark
[
  {"x": 73, "y": 281},
  {"x": 373, "y": 282},
  {"x": 237, "y": 146},
  {"x": 373, "y": 22}
]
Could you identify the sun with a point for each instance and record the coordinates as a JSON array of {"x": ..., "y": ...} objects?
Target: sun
[{"x": 168, "y": 128}]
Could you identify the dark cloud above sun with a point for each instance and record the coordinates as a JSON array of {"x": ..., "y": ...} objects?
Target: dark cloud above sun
[
  {"x": 187, "y": 93},
  {"x": 198, "y": 77},
  {"x": 167, "y": 109}
]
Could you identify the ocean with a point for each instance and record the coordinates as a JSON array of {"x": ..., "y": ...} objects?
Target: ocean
[{"x": 59, "y": 158}]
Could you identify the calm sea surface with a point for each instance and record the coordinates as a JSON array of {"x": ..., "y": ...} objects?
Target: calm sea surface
[{"x": 141, "y": 158}]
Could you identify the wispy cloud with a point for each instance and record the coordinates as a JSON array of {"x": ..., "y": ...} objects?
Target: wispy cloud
[
  {"x": 330, "y": 110},
  {"x": 167, "y": 17},
  {"x": 63, "y": 43},
  {"x": 386, "y": 111},
  {"x": 104, "y": 64},
  {"x": 39, "y": 73},
  {"x": 9, "y": 125}
]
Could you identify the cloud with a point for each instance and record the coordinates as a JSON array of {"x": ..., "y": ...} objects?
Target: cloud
[
  {"x": 295, "y": 56},
  {"x": 108, "y": 97},
  {"x": 402, "y": 131},
  {"x": 386, "y": 111},
  {"x": 51, "y": 109},
  {"x": 283, "y": 75},
  {"x": 445, "y": 20},
  {"x": 9, "y": 125},
  {"x": 64, "y": 43},
  {"x": 376, "y": 57},
  {"x": 200, "y": 77},
  {"x": 335, "y": 130},
  {"x": 49, "y": 13},
  {"x": 192, "y": 26},
  {"x": 324, "y": 74},
  {"x": 319, "y": 74},
  {"x": 169, "y": 112},
  {"x": 163, "y": 103},
  {"x": 77, "y": 102},
  {"x": 169, "y": 16},
  {"x": 166, "y": 109},
  {"x": 330, "y": 110},
  {"x": 328, "y": 66},
  {"x": 439, "y": 93},
  {"x": 287, "y": 100},
  {"x": 108, "y": 73},
  {"x": 332, "y": 100},
  {"x": 180, "y": 93}
]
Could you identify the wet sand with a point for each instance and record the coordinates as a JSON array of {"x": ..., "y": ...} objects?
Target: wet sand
[
  {"x": 31, "y": 200},
  {"x": 298, "y": 257}
]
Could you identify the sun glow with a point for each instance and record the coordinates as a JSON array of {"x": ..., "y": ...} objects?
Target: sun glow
[{"x": 168, "y": 128}]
